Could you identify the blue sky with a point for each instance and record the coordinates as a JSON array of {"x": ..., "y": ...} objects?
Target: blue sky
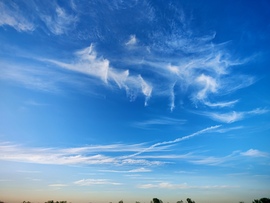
[{"x": 110, "y": 100}]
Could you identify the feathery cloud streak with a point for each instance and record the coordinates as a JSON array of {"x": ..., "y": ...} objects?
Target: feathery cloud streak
[
  {"x": 255, "y": 153},
  {"x": 60, "y": 22},
  {"x": 233, "y": 116},
  {"x": 88, "y": 182},
  {"x": 185, "y": 64},
  {"x": 55, "y": 18},
  {"x": 167, "y": 185},
  {"x": 12, "y": 16},
  {"x": 88, "y": 62},
  {"x": 89, "y": 155},
  {"x": 176, "y": 140},
  {"x": 97, "y": 155}
]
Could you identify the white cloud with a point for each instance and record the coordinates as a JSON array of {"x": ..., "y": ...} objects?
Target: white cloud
[
  {"x": 221, "y": 104},
  {"x": 232, "y": 116},
  {"x": 191, "y": 66},
  {"x": 89, "y": 182},
  {"x": 195, "y": 68},
  {"x": 160, "y": 121},
  {"x": 132, "y": 40},
  {"x": 228, "y": 129},
  {"x": 209, "y": 129},
  {"x": 92, "y": 155},
  {"x": 230, "y": 159},
  {"x": 167, "y": 185},
  {"x": 104, "y": 148},
  {"x": 59, "y": 21},
  {"x": 257, "y": 111},
  {"x": 226, "y": 117},
  {"x": 118, "y": 155},
  {"x": 33, "y": 77},
  {"x": 137, "y": 161},
  {"x": 88, "y": 63},
  {"x": 210, "y": 161},
  {"x": 209, "y": 85},
  {"x": 146, "y": 90},
  {"x": 172, "y": 98},
  {"x": 137, "y": 170},
  {"x": 49, "y": 156},
  {"x": 12, "y": 16},
  {"x": 255, "y": 153}
]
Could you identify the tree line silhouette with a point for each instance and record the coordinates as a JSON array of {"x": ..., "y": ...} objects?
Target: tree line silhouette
[{"x": 156, "y": 200}]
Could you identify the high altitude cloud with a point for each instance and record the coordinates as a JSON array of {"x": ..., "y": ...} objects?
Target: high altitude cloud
[
  {"x": 168, "y": 185},
  {"x": 132, "y": 41},
  {"x": 88, "y": 182},
  {"x": 255, "y": 153},
  {"x": 12, "y": 16},
  {"x": 60, "y": 22},
  {"x": 193, "y": 67},
  {"x": 232, "y": 116},
  {"x": 91, "y": 155},
  {"x": 89, "y": 63},
  {"x": 56, "y": 19},
  {"x": 181, "y": 65}
]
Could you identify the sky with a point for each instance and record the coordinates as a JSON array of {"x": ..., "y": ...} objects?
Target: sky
[{"x": 109, "y": 100}]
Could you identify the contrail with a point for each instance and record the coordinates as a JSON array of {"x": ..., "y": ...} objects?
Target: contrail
[{"x": 174, "y": 141}]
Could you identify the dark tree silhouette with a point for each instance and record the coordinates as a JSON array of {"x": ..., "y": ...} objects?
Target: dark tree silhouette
[
  {"x": 190, "y": 201},
  {"x": 51, "y": 201},
  {"x": 262, "y": 200},
  {"x": 156, "y": 200},
  {"x": 265, "y": 200}
]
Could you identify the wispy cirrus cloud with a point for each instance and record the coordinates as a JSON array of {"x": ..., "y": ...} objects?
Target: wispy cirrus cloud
[
  {"x": 209, "y": 129},
  {"x": 204, "y": 76},
  {"x": 137, "y": 170},
  {"x": 159, "y": 121},
  {"x": 59, "y": 21},
  {"x": 92, "y": 155},
  {"x": 183, "y": 63},
  {"x": 89, "y": 63},
  {"x": 55, "y": 18},
  {"x": 221, "y": 104},
  {"x": 255, "y": 153},
  {"x": 12, "y": 16},
  {"x": 89, "y": 182},
  {"x": 168, "y": 185},
  {"x": 132, "y": 41},
  {"x": 117, "y": 154},
  {"x": 34, "y": 77},
  {"x": 229, "y": 159},
  {"x": 233, "y": 116},
  {"x": 211, "y": 161}
]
